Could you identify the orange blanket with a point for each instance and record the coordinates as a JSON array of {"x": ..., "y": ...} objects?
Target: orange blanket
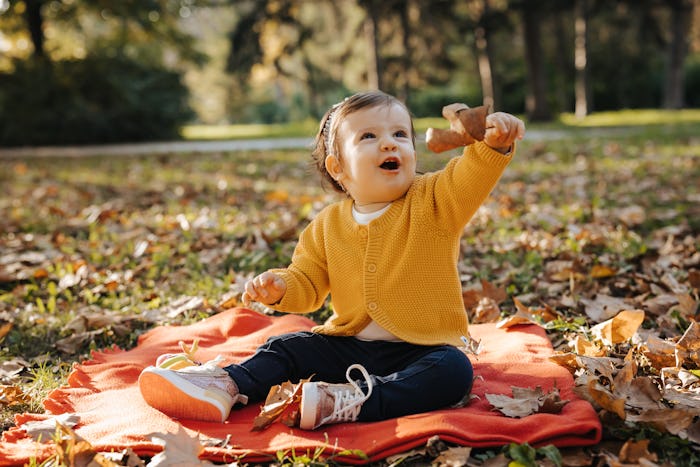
[{"x": 113, "y": 416}]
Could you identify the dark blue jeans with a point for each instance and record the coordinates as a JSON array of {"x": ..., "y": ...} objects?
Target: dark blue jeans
[{"x": 407, "y": 378}]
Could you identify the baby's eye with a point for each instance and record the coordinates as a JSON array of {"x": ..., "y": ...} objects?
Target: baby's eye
[
  {"x": 401, "y": 134},
  {"x": 367, "y": 135}
]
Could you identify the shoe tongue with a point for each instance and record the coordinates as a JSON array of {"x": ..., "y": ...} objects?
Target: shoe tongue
[{"x": 211, "y": 367}]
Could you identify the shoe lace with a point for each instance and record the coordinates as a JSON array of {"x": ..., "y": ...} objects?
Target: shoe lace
[
  {"x": 210, "y": 367},
  {"x": 349, "y": 402},
  {"x": 189, "y": 350}
]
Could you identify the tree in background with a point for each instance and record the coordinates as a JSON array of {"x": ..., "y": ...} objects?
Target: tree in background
[
  {"x": 92, "y": 73},
  {"x": 679, "y": 28},
  {"x": 289, "y": 59}
]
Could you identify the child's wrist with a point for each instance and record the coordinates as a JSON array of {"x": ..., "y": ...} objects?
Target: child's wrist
[{"x": 503, "y": 150}]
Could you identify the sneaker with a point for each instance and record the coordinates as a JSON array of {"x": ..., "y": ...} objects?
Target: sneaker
[
  {"x": 324, "y": 403},
  {"x": 196, "y": 391}
]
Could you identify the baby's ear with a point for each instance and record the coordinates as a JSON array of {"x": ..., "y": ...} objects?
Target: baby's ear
[{"x": 333, "y": 166}]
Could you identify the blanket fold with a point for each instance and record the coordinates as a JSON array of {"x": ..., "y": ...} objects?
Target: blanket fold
[{"x": 103, "y": 392}]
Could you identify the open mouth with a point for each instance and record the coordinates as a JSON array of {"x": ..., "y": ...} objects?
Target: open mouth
[{"x": 390, "y": 164}]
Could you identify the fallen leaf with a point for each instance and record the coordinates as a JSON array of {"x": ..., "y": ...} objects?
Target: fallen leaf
[
  {"x": 583, "y": 346},
  {"x": 453, "y": 457},
  {"x": 280, "y": 398},
  {"x": 471, "y": 345},
  {"x": 600, "y": 271},
  {"x": 10, "y": 369},
  {"x": 633, "y": 451},
  {"x": 179, "y": 449},
  {"x": 12, "y": 395},
  {"x": 603, "y": 307},
  {"x": 44, "y": 430},
  {"x": 527, "y": 401},
  {"x": 606, "y": 399},
  {"x": 620, "y": 328}
]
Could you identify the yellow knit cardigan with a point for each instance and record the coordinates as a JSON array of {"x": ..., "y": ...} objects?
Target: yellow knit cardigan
[{"x": 401, "y": 268}]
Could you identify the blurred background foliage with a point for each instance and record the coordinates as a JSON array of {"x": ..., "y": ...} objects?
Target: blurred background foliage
[{"x": 83, "y": 71}]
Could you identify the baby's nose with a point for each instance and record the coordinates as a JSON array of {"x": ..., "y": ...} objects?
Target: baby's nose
[{"x": 388, "y": 144}]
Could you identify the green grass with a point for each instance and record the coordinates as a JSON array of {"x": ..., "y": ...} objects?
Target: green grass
[
  {"x": 246, "y": 131},
  {"x": 637, "y": 117},
  {"x": 308, "y": 128}
]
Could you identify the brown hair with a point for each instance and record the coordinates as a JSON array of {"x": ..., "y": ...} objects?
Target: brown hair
[{"x": 326, "y": 141}]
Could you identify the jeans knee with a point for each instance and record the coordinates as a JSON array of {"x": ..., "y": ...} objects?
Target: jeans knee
[
  {"x": 289, "y": 340},
  {"x": 460, "y": 369}
]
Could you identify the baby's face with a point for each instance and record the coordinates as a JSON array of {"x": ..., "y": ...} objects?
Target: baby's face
[{"x": 377, "y": 156}]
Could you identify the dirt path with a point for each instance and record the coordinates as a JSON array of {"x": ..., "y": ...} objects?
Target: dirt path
[{"x": 131, "y": 149}]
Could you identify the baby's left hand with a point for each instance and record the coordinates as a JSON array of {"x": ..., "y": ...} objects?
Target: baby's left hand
[{"x": 502, "y": 129}]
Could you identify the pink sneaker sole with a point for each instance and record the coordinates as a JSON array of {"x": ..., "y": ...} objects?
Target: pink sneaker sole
[{"x": 178, "y": 398}]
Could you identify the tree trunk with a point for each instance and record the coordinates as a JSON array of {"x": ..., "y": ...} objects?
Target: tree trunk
[
  {"x": 483, "y": 57},
  {"x": 581, "y": 86},
  {"x": 536, "y": 106},
  {"x": 674, "y": 83},
  {"x": 405, "y": 87},
  {"x": 484, "y": 63},
  {"x": 35, "y": 23},
  {"x": 563, "y": 64},
  {"x": 374, "y": 65}
]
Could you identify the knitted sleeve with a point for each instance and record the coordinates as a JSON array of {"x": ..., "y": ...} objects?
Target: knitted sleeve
[
  {"x": 463, "y": 185},
  {"x": 307, "y": 275}
]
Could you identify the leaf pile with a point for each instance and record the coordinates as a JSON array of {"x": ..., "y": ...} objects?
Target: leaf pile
[{"x": 594, "y": 239}]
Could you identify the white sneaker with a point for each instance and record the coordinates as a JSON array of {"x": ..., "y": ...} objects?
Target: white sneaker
[
  {"x": 324, "y": 403},
  {"x": 197, "y": 391}
]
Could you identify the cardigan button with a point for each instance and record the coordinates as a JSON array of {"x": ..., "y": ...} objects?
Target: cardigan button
[
  {"x": 372, "y": 267},
  {"x": 372, "y": 306},
  {"x": 363, "y": 233}
]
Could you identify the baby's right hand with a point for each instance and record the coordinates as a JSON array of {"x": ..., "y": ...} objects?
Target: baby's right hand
[{"x": 267, "y": 288}]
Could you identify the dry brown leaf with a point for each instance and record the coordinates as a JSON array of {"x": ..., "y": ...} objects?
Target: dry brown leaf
[
  {"x": 486, "y": 311},
  {"x": 466, "y": 126},
  {"x": 12, "y": 395},
  {"x": 471, "y": 345},
  {"x": 5, "y": 328},
  {"x": 583, "y": 346},
  {"x": 687, "y": 347},
  {"x": 567, "y": 359},
  {"x": 515, "y": 320},
  {"x": 73, "y": 450},
  {"x": 453, "y": 457},
  {"x": 694, "y": 278},
  {"x": 564, "y": 271},
  {"x": 620, "y": 328},
  {"x": 600, "y": 271},
  {"x": 494, "y": 293},
  {"x": 603, "y": 307},
  {"x": 605, "y": 399},
  {"x": 280, "y": 398},
  {"x": 633, "y": 451},
  {"x": 671, "y": 420},
  {"x": 523, "y": 315},
  {"x": 526, "y": 401},
  {"x": 10, "y": 370},
  {"x": 44, "y": 430},
  {"x": 660, "y": 352},
  {"x": 179, "y": 449}
]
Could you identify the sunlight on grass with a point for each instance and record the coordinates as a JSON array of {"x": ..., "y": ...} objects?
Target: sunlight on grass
[
  {"x": 255, "y": 130},
  {"x": 309, "y": 127},
  {"x": 634, "y": 118}
]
